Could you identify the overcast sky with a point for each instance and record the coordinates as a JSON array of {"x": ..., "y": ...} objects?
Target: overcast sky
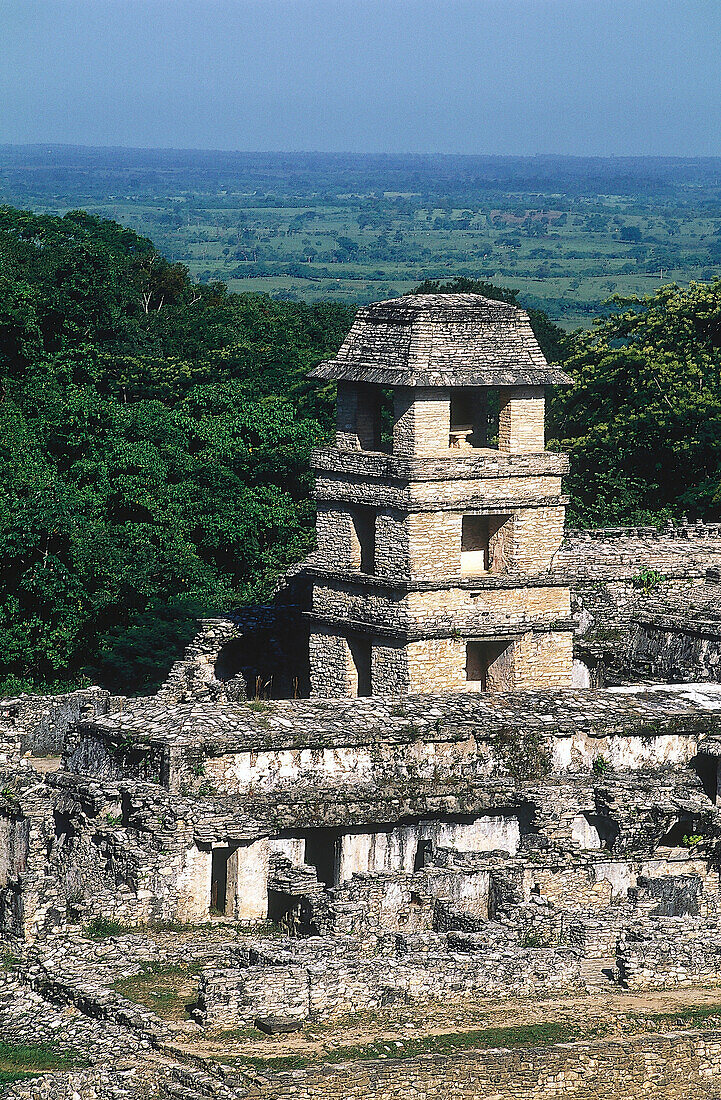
[{"x": 449, "y": 76}]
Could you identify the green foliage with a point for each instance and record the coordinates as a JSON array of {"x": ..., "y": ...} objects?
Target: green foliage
[
  {"x": 600, "y": 765},
  {"x": 101, "y": 928},
  {"x": 519, "y": 1035},
  {"x": 20, "y": 1060},
  {"x": 154, "y": 443},
  {"x": 692, "y": 840},
  {"x": 643, "y": 422},
  {"x": 648, "y": 580}
]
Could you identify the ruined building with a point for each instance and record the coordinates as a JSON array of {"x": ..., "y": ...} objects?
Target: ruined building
[{"x": 439, "y": 511}]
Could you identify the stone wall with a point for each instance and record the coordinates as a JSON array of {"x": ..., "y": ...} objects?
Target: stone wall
[
  {"x": 658, "y": 1067},
  {"x": 521, "y": 419},
  {"x": 669, "y": 952},
  {"x": 293, "y": 981},
  {"x": 39, "y": 723}
]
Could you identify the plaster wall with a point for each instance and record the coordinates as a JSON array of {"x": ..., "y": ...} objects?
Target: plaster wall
[
  {"x": 247, "y": 889},
  {"x": 193, "y": 884},
  {"x": 369, "y": 852}
]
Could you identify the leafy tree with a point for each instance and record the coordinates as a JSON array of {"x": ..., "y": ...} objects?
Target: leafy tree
[{"x": 643, "y": 422}]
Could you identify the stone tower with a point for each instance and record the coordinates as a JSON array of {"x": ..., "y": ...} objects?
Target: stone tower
[{"x": 439, "y": 511}]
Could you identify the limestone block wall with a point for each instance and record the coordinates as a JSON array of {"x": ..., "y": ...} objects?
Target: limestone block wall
[
  {"x": 520, "y": 420},
  {"x": 437, "y": 664},
  {"x": 434, "y": 544},
  {"x": 669, "y": 952},
  {"x": 538, "y": 533},
  {"x": 651, "y": 1066},
  {"x": 452, "y": 608},
  {"x": 455, "y": 487},
  {"x": 422, "y": 420},
  {"x": 543, "y": 660},
  {"x": 392, "y": 544},
  {"x": 39, "y": 723},
  {"x": 332, "y": 673},
  {"x": 232, "y": 997}
]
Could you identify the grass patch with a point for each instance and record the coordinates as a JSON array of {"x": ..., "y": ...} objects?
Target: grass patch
[
  {"x": 693, "y": 1016},
  {"x": 522, "y": 1035},
  {"x": 167, "y": 990},
  {"x": 18, "y": 1061}
]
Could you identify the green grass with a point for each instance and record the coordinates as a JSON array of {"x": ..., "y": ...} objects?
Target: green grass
[
  {"x": 522, "y": 1035},
  {"x": 167, "y": 990},
  {"x": 18, "y": 1061},
  {"x": 694, "y": 1016}
]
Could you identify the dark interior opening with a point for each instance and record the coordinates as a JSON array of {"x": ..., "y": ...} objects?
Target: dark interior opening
[
  {"x": 674, "y": 837},
  {"x": 232, "y": 659},
  {"x": 424, "y": 854},
  {"x": 607, "y": 829},
  {"x": 363, "y": 518},
  {"x": 322, "y": 851},
  {"x": 266, "y": 663},
  {"x": 292, "y": 913},
  {"x": 706, "y": 768},
  {"x": 478, "y": 538},
  {"x": 481, "y": 659},
  {"x": 474, "y": 416},
  {"x": 219, "y": 879},
  {"x": 361, "y": 650}
]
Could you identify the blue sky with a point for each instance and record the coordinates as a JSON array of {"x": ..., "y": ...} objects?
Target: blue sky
[{"x": 449, "y": 76}]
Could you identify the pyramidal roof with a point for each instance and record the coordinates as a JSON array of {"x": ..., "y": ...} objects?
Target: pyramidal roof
[{"x": 441, "y": 340}]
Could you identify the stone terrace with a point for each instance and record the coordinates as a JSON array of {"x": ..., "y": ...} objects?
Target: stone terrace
[{"x": 310, "y": 722}]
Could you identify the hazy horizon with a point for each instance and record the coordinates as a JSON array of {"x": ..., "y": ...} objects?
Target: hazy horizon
[{"x": 621, "y": 78}]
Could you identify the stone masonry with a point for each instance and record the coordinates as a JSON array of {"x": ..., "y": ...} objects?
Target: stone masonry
[{"x": 434, "y": 547}]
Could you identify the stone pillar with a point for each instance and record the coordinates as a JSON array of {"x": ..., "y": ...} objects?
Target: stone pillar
[
  {"x": 520, "y": 420},
  {"x": 422, "y": 421},
  {"x": 247, "y": 884}
]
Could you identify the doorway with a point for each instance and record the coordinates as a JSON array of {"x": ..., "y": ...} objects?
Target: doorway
[{"x": 219, "y": 880}]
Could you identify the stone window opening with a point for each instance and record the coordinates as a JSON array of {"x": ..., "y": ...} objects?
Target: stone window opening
[
  {"x": 489, "y": 665},
  {"x": 484, "y": 541},
  {"x": 323, "y": 851},
  {"x": 674, "y": 837},
  {"x": 361, "y": 653},
  {"x": 474, "y": 419},
  {"x": 424, "y": 854},
  {"x": 363, "y": 538},
  {"x": 219, "y": 880}
]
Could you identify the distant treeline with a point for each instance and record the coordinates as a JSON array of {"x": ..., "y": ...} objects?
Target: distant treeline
[{"x": 155, "y": 435}]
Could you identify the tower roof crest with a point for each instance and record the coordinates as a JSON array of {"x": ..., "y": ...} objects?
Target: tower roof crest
[{"x": 441, "y": 340}]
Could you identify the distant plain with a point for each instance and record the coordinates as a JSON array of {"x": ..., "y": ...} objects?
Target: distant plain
[{"x": 566, "y": 232}]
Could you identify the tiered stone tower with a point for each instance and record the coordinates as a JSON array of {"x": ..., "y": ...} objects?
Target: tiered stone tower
[{"x": 439, "y": 511}]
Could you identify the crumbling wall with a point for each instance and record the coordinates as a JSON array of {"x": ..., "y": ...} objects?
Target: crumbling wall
[
  {"x": 669, "y": 952},
  {"x": 40, "y": 723},
  {"x": 291, "y": 980}
]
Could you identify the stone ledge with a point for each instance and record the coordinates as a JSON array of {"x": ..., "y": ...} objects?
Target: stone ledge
[{"x": 454, "y": 466}]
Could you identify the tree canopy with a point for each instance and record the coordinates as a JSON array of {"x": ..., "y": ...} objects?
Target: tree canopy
[
  {"x": 154, "y": 442},
  {"x": 642, "y": 423}
]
